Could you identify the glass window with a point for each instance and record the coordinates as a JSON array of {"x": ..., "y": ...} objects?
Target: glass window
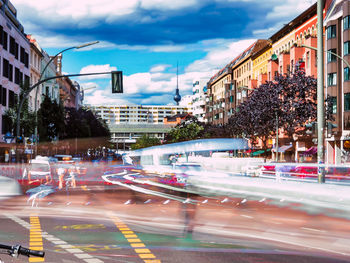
[
  {"x": 331, "y": 57},
  {"x": 346, "y": 74},
  {"x": 332, "y": 79},
  {"x": 346, "y": 22},
  {"x": 334, "y": 105},
  {"x": 331, "y": 32},
  {"x": 346, "y": 48},
  {"x": 347, "y": 101}
]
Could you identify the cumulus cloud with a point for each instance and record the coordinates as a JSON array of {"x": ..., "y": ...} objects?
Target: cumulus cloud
[
  {"x": 159, "y": 68},
  {"x": 158, "y": 85},
  {"x": 97, "y": 69}
]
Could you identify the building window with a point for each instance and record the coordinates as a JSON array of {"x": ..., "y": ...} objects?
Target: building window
[
  {"x": 331, "y": 32},
  {"x": 4, "y": 96},
  {"x": 332, "y": 79},
  {"x": 308, "y": 59},
  {"x": 346, "y": 48},
  {"x": 12, "y": 46},
  {"x": 331, "y": 57},
  {"x": 10, "y": 72},
  {"x": 347, "y": 101},
  {"x": 4, "y": 39},
  {"x": 17, "y": 76},
  {"x": 5, "y": 68},
  {"x": 11, "y": 99},
  {"x": 334, "y": 105},
  {"x": 346, "y": 74},
  {"x": 346, "y": 22},
  {"x": 22, "y": 56}
]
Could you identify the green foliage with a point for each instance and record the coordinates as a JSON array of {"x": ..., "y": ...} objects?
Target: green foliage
[
  {"x": 145, "y": 141},
  {"x": 189, "y": 129},
  {"x": 82, "y": 123},
  {"x": 50, "y": 120},
  {"x": 27, "y": 120}
]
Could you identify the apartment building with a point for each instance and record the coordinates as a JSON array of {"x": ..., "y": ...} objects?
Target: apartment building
[
  {"x": 129, "y": 122},
  {"x": 14, "y": 59},
  {"x": 199, "y": 97},
  {"x": 337, "y": 77},
  {"x": 36, "y": 56}
]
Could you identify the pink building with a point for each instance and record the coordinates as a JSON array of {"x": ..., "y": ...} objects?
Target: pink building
[{"x": 14, "y": 53}]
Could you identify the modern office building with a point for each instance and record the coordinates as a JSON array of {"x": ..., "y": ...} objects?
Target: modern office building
[{"x": 199, "y": 99}]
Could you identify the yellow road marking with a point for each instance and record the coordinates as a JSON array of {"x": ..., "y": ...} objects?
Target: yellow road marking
[
  {"x": 138, "y": 245},
  {"x": 135, "y": 242},
  {"x": 32, "y": 259},
  {"x": 35, "y": 237},
  {"x": 147, "y": 256}
]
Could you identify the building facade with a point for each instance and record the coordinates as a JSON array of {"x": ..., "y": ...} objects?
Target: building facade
[
  {"x": 34, "y": 99},
  {"x": 337, "y": 77},
  {"x": 14, "y": 59},
  {"x": 198, "y": 99},
  {"x": 129, "y": 122}
]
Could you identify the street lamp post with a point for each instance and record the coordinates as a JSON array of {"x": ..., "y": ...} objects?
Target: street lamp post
[{"x": 41, "y": 75}]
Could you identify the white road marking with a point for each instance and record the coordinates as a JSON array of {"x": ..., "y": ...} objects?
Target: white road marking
[
  {"x": 313, "y": 229},
  {"x": 246, "y": 216},
  {"x": 63, "y": 244}
]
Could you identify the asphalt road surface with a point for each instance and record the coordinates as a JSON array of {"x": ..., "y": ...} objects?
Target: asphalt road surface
[{"x": 95, "y": 225}]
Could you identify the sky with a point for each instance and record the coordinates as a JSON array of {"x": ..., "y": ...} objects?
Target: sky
[{"x": 147, "y": 39}]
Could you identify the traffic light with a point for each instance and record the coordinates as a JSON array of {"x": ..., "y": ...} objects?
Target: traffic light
[
  {"x": 311, "y": 128},
  {"x": 330, "y": 127},
  {"x": 19, "y": 139},
  {"x": 117, "y": 81}
]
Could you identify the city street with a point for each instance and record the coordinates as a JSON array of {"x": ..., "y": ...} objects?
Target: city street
[{"x": 125, "y": 226}]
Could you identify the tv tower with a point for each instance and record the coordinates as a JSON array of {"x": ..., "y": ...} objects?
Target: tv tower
[{"x": 177, "y": 96}]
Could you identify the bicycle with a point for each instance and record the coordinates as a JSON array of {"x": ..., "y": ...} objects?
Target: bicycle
[{"x": 16, "y": 250}]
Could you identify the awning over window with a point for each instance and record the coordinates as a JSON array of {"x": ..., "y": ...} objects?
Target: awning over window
[
  {"x": 259, "y": 152},
  {"x": 310, "y": 151},
  {"x": 282, "y": 149}
]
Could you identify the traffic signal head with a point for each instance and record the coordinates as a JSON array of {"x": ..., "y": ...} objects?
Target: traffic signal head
[
  {"x": 330, "y": 127},
  {"x": 311, "y": 128},
  {"x": 117, "y": 81}
]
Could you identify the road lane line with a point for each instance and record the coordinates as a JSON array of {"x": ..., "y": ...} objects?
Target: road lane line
[
  {"x": 51, "y": 238},
  {"x": 139, "y": 247},
  {"x": 35, "y": 237}
]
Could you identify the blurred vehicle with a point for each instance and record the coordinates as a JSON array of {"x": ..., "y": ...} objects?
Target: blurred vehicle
[
  {"x": 251, "y": 170},
  {"x": 38, "y": 172},
  {"x": 64, "y": 158},
  {"x": 305, "y": 171},
  {"x": 8, "y": 187},
  {"x": 268, "y": 170},
  {"x": 338, "y": 173}
]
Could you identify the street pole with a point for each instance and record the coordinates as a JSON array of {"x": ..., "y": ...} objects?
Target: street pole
[
  {"x": 41, "y": 76},
  {"x": 25, "y": 95},
  {"x": 320, "y": 92},
  {"x": 276, "y": 137}
]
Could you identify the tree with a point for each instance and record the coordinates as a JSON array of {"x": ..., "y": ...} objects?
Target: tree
[
  {"x": 145, "y": 141},
  {"x": 189, "y": 129},
  {"x": 50, "y": 120},
  {"x": 290, "y": 100},
  {"x": 82, "y": 123},
  {"x": 27, "y": 118}
]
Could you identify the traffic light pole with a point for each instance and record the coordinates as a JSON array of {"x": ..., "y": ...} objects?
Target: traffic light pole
[
  {"x": 25, "y": 95},
  {"x": 320, "y": 93}
]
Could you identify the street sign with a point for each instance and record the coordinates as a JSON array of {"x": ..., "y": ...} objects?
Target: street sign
[{"x": 117, "y": 81}]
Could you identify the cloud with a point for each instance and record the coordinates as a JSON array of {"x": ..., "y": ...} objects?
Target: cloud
[
  {"x": 159, "y": 68},
  {"x": 158, "y": 85},
  {"x": 96, "y": 69}
]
